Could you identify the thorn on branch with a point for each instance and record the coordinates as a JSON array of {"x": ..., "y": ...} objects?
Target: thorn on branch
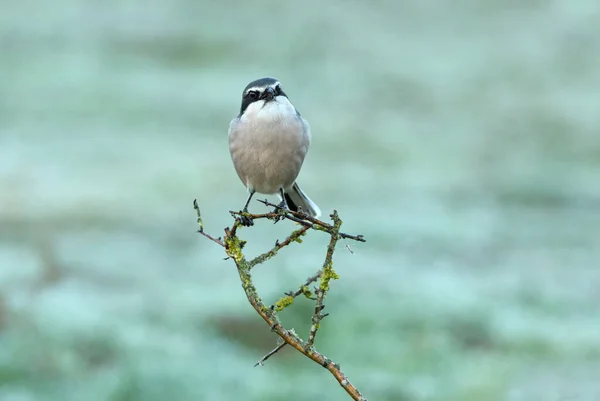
[{"x": 326, "y": 362}]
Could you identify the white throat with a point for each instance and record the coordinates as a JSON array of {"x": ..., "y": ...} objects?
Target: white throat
[{"x": 280, "y": 108}]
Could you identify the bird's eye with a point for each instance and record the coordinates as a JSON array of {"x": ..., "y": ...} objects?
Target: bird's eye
[
  {"x": 253, "y": 94},
  {"x": 278, "y": 89}
]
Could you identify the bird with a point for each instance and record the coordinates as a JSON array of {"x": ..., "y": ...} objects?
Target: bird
[{"x": 268, "y": 141}]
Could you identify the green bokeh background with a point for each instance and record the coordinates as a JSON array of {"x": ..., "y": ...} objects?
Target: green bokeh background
[{"x": 461, "y": 138}]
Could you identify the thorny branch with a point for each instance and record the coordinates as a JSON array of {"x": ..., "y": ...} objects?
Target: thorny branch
[
  {"x": 307, "y": 220},
  {"x": 328, "y": 274},
  {"x": 233, "y": 248}
]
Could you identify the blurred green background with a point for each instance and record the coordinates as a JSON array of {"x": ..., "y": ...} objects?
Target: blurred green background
[{"x": 461, "y": 138}]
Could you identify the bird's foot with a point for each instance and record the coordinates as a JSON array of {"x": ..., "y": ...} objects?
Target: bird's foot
[
  {"x": 244, "y": 219},
  {"x": 281, "y": 210}
]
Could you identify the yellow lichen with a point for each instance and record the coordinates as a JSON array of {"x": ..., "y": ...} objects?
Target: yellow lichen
[
  {"x": 328, "y": 274},
  {"x": 234, "y": 248},
  {"x": 283, "y": 303}
]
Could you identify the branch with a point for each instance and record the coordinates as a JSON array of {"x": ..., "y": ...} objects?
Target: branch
[
  {"x": 270, "y": 354},
  {"x": 304, "y": 287},
  {"x": 327, "y": 274},
  {"x": 201, "y": 226},
  {"x": 295, "y": 236},
  {"x": 234, "y": 249},
  {"x": 298, "y": 217}
]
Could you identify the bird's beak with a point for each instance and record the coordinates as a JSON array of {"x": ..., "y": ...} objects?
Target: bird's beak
[{"x": 269, "y": 94}]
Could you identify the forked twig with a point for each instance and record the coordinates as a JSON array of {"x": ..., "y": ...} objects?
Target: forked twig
[
  {"x": 233, "y": 247},
  {"x": 201, "y": 226}
]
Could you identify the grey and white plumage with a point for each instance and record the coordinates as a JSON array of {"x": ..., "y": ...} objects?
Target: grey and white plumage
[{"x": 268, "y": 142}]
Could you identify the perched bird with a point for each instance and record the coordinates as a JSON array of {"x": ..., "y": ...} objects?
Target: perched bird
[{"x": 268, "y": 141}]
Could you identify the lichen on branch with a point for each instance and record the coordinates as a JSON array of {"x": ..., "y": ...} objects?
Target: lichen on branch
[{"x": 234, "y": 246}]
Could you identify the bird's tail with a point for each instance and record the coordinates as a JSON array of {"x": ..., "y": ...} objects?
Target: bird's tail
[{"x": 295, "y": 199}]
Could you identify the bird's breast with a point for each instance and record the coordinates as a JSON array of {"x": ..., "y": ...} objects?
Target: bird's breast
[{"x": 268, "y": 146}]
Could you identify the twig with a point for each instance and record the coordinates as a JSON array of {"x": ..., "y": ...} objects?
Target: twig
[
  {"x": 316, "y": 317},
  {"x": 327, "y": 275},
  {"x": 304, "y": 287},
  {"x": 294, "y": 236},
  {"x": 201, "y": 226},
  {"x": 262, "y": 360},
  {"x": 233, "y": 248},
  {"x": 298, "y": 217}
]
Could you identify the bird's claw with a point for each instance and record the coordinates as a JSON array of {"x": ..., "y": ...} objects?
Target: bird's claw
[
  {"x": 246, "y": 221},
  {"x": 281, "y": 211}
]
